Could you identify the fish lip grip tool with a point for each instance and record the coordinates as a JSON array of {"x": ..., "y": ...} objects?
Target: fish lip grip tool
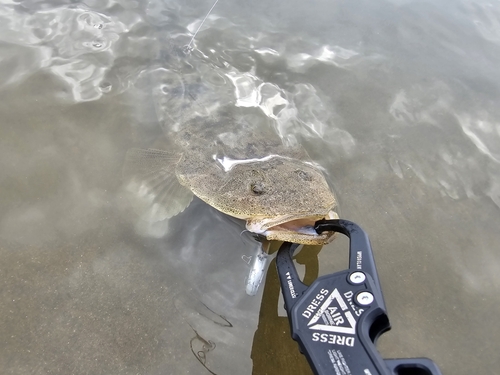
[{"x": 338, "y": 318}]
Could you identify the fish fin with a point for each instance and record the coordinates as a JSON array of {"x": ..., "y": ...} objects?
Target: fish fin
[{"x": 155, "y": 191}]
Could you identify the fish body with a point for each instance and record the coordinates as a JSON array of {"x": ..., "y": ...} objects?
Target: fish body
[{"x": 241, "y": 168}]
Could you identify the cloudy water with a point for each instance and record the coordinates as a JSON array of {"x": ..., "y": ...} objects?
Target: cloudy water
[{"x": 397, "y": 101}]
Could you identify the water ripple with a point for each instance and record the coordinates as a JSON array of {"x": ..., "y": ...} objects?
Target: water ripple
[
  {"x": 486, "y": 18},
  {"x": 76, "y": 44},
  {"x": 299, "y": 112},
  {"x": 484, "y": 134},
  {"x": 449, "y": 142},
  {"x": 421, "y": 104}
]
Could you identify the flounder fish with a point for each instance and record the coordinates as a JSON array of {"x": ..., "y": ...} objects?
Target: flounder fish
[{"x": 241, "y": 170}]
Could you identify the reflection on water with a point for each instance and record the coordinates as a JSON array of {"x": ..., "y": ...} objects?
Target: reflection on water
[
  {"x": 272, "y": 349},
  {"x": 396, "y": 100}
]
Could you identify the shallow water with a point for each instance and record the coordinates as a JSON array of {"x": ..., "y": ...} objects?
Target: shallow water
[{"x": 396, "y": 100}]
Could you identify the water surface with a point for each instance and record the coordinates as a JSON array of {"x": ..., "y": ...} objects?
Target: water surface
[{"x": 396, "y": 100}]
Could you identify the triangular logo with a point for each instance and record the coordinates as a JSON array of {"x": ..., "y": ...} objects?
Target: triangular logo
[{"x": 333, "y": 316}]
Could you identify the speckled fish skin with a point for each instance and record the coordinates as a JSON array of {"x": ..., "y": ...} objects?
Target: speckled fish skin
[{"x": 251, "y": 175}]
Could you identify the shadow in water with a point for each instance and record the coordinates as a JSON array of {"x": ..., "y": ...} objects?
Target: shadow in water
[{"x": 273, "y": 350}]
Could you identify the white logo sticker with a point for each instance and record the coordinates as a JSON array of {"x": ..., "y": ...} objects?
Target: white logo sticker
[{"x": 333, "y": 316}]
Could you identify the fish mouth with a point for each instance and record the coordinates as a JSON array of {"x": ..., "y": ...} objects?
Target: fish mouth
[{"x": 292, "y": 228}]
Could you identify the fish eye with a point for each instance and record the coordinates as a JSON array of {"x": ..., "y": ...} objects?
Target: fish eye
[
  {"x": 257, "y": 188},
  {"x": 304, "y": 175}
]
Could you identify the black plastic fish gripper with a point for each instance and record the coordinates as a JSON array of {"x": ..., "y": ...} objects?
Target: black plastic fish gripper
[{"x": 338, "y": 318}]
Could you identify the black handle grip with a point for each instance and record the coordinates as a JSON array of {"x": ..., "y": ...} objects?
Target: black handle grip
[{"x": 337, "y": 319}]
